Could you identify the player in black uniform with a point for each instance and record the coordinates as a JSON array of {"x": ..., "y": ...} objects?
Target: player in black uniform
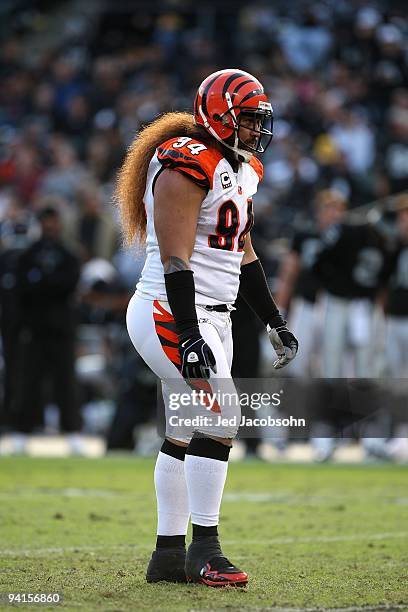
[
  {"x": 298, "y": 284},
  {"x": 397, "y": 330},
  {"x": 351, "y": 268},
  {"x": 397, "y": 299}
]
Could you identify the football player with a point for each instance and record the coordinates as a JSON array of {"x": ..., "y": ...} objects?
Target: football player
[
  {"x": 397, "y": 299},
  {"x": 397, "y": 328},
  {"x": 298, "y": 286},
  {"x": 186, "y": 189},
  {"x": 351, "y": 268}
]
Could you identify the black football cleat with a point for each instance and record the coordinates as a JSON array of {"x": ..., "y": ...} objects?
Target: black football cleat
[
  {"x": 167, "y": 564},
  {"x": 205, "y": 563}
]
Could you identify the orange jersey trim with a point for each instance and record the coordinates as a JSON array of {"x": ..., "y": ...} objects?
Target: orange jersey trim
[
  {"x": 165, "y": 326},
  {"x": 199, "y": 167},
  {"x": 257, "y": 166},
  {"x": 168, "y": 334},
  {"x": 173, "y": 354},
  {"x": 203, "y": 385},
  {"x": 169, "y": 343}
]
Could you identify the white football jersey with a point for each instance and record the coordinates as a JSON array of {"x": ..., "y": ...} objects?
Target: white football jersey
[{"x": 225, "y": 218}]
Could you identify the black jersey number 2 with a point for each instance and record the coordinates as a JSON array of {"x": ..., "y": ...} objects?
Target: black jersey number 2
[{"x": 228, "y": 225}]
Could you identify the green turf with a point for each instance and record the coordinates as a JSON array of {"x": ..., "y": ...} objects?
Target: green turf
[{"x": 310, "y": 536}]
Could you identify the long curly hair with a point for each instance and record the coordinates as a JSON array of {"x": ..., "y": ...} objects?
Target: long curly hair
[{"x": 131, "y": 181}]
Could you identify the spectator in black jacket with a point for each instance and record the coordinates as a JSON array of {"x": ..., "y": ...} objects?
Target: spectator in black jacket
[
  {"x": 47, "y": 277},
  {"x": 14, "y": 239}
]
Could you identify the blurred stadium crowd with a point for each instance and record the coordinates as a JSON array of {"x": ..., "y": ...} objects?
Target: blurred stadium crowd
[{"x": 77, "y": 80}]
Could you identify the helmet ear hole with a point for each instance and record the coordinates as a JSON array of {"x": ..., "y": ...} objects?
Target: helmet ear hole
[
  {"x": 216, "y": 117},
  {"x": 226, "y": 120}
]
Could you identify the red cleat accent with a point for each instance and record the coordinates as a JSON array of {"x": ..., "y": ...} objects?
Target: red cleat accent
[
  {"x": 206, "y": 564},
  {"x": 215, "y": 578}
]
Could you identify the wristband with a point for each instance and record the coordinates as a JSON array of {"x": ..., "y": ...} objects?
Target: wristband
[
  {"x": 180, "y": 289},
  {"x": 255, "y": 291}
]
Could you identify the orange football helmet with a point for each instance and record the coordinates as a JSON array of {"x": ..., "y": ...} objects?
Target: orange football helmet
[{"x": 223, "y": 100}]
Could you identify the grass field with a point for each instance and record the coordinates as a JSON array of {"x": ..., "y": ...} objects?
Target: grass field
[{"x": 310, "y": 536}]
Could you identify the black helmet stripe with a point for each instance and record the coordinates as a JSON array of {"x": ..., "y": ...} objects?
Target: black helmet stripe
[
  {"x": 255, "y": 92},
  {"x": 205, "y": 93},
  {"x": 238, "y": 87},
  {"x": 230, "y": 80}
]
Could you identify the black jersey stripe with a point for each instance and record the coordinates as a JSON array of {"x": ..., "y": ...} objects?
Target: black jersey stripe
[
  {"x": 201, "y": 180},
  {"x": 204, "y": 184},
  {"x": 176, "y": 160},
  {"x": 176, "y": 155},
  {"x": 171, "y": 153},
  {"x": 156, "y": 176}
]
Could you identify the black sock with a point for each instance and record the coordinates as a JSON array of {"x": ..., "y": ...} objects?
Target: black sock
[
  {"x": 176, "y": 541},
  {"x": 174, "y": 450},
  {"x": 204, "y": 532},
  {"x": 208, "y": 447}
]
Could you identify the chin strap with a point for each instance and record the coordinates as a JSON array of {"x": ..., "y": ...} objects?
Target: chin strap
[
  {"x": 232, "y": 111},
  {"x": 245, "y": 155}
]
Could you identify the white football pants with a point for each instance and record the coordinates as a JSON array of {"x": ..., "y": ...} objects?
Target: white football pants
[
  {"x": 304, "y": 322},
  {"x": 152, "y": 330},
  {"x": 347, "y": 332},
  {"x": 397, "y": 346}
]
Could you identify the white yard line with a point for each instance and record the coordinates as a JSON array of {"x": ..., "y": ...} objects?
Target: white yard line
[
  {"x": 229, "y": 497},
  {"x": 291, "y": 498},
  {"x": 23, "y": 552},
  {"x": 324, "y": 539},
  {"x": 267, "y": 542},
  {"x": 373, "y": 608},
  {"x": 68, "y": 492}
]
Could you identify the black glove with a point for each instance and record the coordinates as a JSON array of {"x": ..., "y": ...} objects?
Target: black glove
[
  {"x": 284, "y": 343},
  {"x": 196, "y": 356}
]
